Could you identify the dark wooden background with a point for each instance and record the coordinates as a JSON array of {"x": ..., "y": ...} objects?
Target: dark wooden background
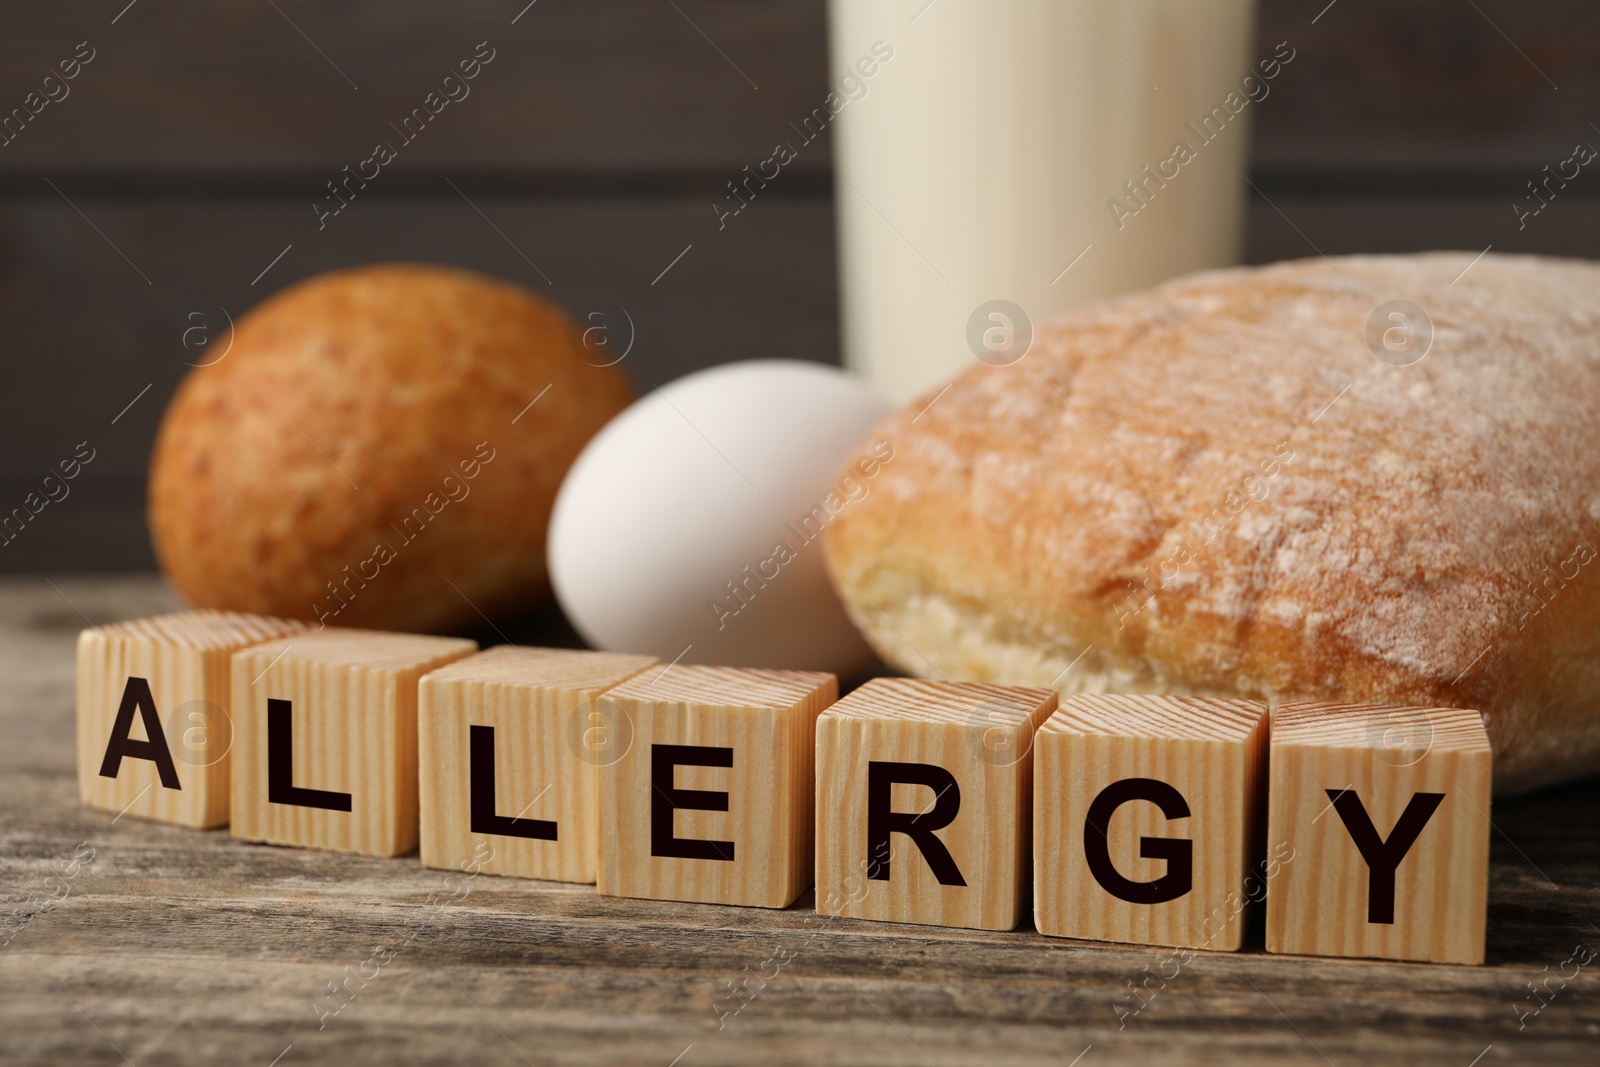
[{"x": 188, "y": 153}]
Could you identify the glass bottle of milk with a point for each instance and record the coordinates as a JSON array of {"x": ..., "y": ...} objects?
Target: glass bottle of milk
[{"x": 1002, "y": 161}]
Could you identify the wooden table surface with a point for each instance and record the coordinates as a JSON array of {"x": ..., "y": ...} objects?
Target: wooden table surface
[{"x": 137, "y": 943}]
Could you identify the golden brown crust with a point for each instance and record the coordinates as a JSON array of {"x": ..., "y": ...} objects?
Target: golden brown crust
[
  {"x": 344, "y": 402},
  {"x": 1217, "y": 488}
]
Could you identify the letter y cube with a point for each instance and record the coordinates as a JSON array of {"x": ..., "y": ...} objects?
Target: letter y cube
[{"x": 923, "y": 801}]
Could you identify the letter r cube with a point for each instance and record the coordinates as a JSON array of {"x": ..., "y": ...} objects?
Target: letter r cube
[{"x": 923, "y": 802}]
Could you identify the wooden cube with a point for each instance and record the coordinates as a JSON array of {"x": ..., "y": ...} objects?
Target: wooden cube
[
  {"x": 325, "y": 752},
  {"x": 509, "y": 742},
  {"x": 154, "y": 728},
  {"x": 1147, "y": 813},
  {"x": 713, "y": 800},
  {"x": 1382, "y": 814},
  {"x": 923, "y": 802}
]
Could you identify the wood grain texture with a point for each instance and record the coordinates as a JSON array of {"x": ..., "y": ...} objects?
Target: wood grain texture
[
  {"x": 185, "y": 947},
  {"x": 181, "y": 661},
  {"x": 548, "y": 739},
  {"x": 352, "y": 708},
  {"x": 621, "y": 85},
  {"x": 1212, "y": 753},
  {"x": 1455, "y": 91},
  {"x": 744, "y": 776},
  {"x": 955, "y": 760},
  {"x": 1398, "y": 763},
  {"x": 1423, "y": 83}
]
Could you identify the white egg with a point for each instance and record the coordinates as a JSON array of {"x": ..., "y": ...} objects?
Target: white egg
[{"x": 689, "y": 527}]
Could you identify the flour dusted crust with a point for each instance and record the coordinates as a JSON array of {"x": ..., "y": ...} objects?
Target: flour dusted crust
[{"x": 1217, "y": 488}]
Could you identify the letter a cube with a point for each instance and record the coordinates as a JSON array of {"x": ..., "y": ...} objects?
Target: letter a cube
[
  {"x": 923, "y": 802},
  {"x": 712, "y": 801},
  {"x": 1383, "y": 815},
  {"x": 511, "y": 740},
  {"x": 1146, "y": 814},
  {"x": 155, "y": 732},
  {"x": 325, "y": 753}
]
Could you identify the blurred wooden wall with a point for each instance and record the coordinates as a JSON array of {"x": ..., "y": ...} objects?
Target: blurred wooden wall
[{"x": 143, "y": 208}]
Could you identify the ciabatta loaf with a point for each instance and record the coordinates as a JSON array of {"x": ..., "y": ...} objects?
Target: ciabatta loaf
[{"x": 1262, "y": 483}]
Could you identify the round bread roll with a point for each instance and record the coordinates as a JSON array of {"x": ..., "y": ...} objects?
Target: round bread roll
[
  {"x": 1231, "y": 486},
  {"x": 367, "y": 442}
]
